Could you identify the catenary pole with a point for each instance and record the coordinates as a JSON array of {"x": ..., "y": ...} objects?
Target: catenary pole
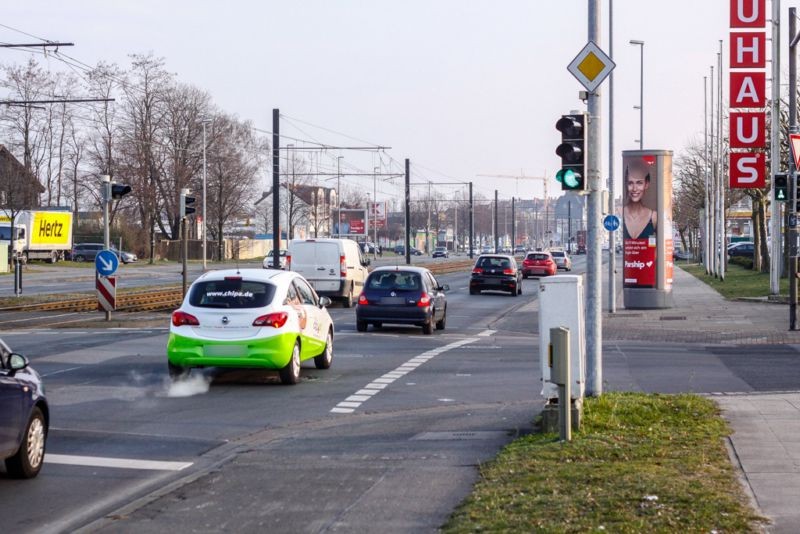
[
  {"x": 276, "y": 186},
  {"x": 707, "y": 205},
  {"x": 496, "y": 224},
  {"x": 594, "y": 318},
  {"x": 612, "y": 236},
  {"x": 471, "y": 223},
  {"x": 723, "y": 238},
  {"x": 793, "y": 37},
  {"x": 408, "y": 212},
  {"x": 775, "y": 217}
]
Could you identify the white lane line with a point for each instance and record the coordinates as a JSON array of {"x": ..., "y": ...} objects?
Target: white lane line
[
  {"x": 119, "y": 463},
  {"x": 487, "y": 333},
  {"x": 373, "y": 388}
]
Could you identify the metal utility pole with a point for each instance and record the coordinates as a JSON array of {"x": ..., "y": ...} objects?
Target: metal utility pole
[
  {"x": 408, "y": 212},
  {"x": 338, "y": 196},
  {"x": 707, "y": 209},
  {"x": 594, "y": 317},
  {"x": 428, "y": 225},
  {"x": 774, "y": 167},
  {"x": 471, "y": 223},
  {"x": 513, "y": 226},
  {"x": 374, "y": 212},
  {"x": 276, "y": 186},
  {"x": 205, "y": 239},
  {"x": 496, "y": 236},
  {"x": 723, "y": 238},
  {"x": 106, "y": 184},
  {"x": 793, "y": 38},
  {"x": 612, "y": 236}
]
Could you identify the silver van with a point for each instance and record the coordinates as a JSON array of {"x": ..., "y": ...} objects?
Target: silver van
[{"x": 336, "y": 268}]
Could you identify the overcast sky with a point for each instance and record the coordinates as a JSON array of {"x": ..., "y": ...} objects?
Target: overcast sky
[{"x": 461, "y": 87}]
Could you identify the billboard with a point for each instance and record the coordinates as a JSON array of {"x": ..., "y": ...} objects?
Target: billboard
[
  {"x": 351, "y": 222},
  {"x": 377, "y": 214},
  {"x": 647, "y": 228}
]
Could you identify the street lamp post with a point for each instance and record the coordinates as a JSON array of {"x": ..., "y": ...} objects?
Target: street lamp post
[
  {"x": 205, "y": 238},
  {"x": 641, "y": 90},
  {"x": 374, "y": 212}
]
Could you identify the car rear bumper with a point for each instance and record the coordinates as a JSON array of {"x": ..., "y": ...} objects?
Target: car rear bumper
[
  {"x": 269, "y": 353},
  {"x": 393, "y": 314},
  {"x": 538, "y": 271},
  {"x": 495, "y": 283}
]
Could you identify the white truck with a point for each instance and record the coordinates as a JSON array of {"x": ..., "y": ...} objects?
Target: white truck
[{"x": 38, "y": 234}]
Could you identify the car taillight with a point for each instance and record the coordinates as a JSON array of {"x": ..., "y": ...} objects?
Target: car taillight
[
  {"x": 362, "y": 300},
  {"x": 509, "y": 271},
  {"x": 342, "y": 266},
  {"x": 477, "y": 270},
  {"x": 424, "y": 301},
  {"x": 288, "y": 262},
  {"x": 180, "y": 318},
  {"x": 275, "y": 320}
]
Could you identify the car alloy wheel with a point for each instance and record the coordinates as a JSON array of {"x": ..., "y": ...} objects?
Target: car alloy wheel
[
  {"x": 290, "y": 374},
  {"x": 28, "y": 460},
  {"x": 324, "y": 359}
]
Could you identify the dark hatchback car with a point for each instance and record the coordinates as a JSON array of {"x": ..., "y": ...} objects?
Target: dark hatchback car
[
  {"x": 402, "y": 295},
  {"x": 24, "y": 415},
  {"x": 742, "y": 249},
  {"x": 496, "y": 273}
]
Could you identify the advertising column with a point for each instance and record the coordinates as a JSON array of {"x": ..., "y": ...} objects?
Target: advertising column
[{"x": 647, "y": 228}]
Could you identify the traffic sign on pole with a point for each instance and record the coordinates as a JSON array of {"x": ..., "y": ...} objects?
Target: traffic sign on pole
[
  {"x": 106, "y": 263},
  {"x": 106, "y": 293},
  {"x": 794, "y": 143},
  {"x": 591, "y": 66},
  {"x": 611, "y": 222}
]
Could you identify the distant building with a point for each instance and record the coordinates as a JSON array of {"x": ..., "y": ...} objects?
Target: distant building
[{"x": 19, "y": 188}]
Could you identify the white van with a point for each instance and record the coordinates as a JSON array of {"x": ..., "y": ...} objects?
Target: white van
[{"x": 334, "y": 267}]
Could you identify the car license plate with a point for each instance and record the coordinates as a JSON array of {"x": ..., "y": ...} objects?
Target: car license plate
[
  {"x": 393, "y": 301},
  {"x": 215, "y": 351},
  {"x": 493, "y": 282}
]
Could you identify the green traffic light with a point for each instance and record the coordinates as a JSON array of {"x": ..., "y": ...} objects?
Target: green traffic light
[
  {"x": 560, "y": 176},
  {"x": 571, "y": 179}
]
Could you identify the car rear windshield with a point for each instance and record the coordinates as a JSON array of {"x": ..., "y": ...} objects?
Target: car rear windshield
[
  {"x": 394, "y": 281},
  {"x": 537, "y": 256},
  {"x": 558, "y": 253},
  {"x": 231, "y": 294},
  {"x": 494, "y": 263}
]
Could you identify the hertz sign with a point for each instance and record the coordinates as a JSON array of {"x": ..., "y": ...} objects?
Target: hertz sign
[
  {"x": 748, "y": 61},
  {"x": 51, "y": 228}
]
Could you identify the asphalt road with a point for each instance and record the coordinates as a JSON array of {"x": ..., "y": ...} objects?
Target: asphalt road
[{"x": 113, "y": 408}]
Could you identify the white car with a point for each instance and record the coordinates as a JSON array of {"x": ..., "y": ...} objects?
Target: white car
[
  {"x": 269, "y": 264},
  {"x": 250, "y": 318}
]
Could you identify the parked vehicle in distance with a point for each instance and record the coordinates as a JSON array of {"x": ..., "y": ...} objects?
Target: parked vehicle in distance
[
  {"x": 335, "y": 268},
  {"x": 744, "y": 249},
  {"x": 679, "y": 254},
  {"x": 88, "y": 252},
  {"x": 402, "y": 295},
  {"x": 269, "y": 264},
  {"x": 250, "y": 318},
  {"x": 538, "y": 264},
  {"x": 400, "y": 250},
  {"x": 367, "y": 247},
  {"x": 487, "y": 249},
  {"x": 519, "y": 249},
  {"x": 440, "y": 252},
  {"x": 24, "y": 417},
  {"x": 497, "y": 273},
  {"x": 562, "y": 259}
]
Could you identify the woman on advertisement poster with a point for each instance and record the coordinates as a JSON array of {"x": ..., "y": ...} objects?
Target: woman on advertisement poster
[{"x": 639, "y": 221}]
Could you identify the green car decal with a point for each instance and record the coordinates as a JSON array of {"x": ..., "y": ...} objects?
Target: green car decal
[{"x": 270, "y": 353}]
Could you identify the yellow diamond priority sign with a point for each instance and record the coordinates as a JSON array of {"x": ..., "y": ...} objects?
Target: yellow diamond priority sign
[{"x": 591, "y": 66}]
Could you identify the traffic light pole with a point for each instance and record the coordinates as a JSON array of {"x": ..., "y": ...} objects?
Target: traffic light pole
[
  {"x": 792, "y": 241},
  {"x": 496, "y": 227},
  {"x": 106, "y": 231},
  {"x": 408, "y": 212},
  {"x": 594, "y": 318}
]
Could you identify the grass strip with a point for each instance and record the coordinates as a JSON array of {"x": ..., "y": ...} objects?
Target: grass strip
[
  {"x": 640, "y": 462},
  {"x": 739, "y": 281}
]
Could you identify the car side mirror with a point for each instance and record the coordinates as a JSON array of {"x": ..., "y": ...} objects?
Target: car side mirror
[
  {"x": 444, "y": 287},
  {"x": 366, "y": 262},
  {"x": 17, "y": 362},
  {"x": 324, "y": 302}
]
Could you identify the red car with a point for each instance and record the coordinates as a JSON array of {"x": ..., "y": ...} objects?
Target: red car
[{"x": 538, "y": 264}]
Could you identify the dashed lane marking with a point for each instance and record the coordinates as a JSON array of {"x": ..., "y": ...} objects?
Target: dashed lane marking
[
  {"x": 361, "y": 396},
  {"x": 118, "y": 463}
]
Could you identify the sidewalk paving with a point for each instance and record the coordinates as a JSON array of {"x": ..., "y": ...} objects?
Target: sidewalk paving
[{"x": 765, "y": 445}]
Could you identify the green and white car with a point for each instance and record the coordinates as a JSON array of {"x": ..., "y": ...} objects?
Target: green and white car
[{"x": 250, "y": 318}]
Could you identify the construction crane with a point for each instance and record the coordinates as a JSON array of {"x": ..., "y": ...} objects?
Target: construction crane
[{"x": 523, "y": 176}]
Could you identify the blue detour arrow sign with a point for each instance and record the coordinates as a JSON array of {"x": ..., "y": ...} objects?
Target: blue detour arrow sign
[{"x": 106, "y": 262}]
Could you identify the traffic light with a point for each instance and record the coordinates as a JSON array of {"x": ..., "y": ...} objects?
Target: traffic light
[
  {"x": 781, "y": 187},
  {"x": 572, "y": 152},
  {"x": 119, "y": 190},
  {"x": 186, "y": 203}
]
